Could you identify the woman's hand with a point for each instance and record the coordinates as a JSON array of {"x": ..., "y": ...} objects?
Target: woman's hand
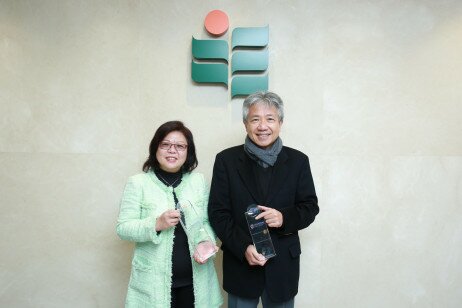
[
  {"x": 167, "y": 220},
  {"x": 206, "y": 249}
]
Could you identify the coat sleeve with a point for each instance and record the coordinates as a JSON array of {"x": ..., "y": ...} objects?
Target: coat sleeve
[
  {"x": 130, "y": 226},
  {"x": 301, "y": 214},
  {"x": 220, "y": 211}
]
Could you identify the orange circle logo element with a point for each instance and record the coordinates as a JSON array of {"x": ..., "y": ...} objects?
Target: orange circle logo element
[{"x": 216, "y": 22}]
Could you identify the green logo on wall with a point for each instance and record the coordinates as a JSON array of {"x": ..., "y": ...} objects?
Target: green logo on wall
[{"x": 249, "y": 57}]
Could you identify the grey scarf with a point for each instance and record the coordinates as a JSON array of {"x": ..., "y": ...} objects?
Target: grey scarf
[{"x": 263, "y": 157}]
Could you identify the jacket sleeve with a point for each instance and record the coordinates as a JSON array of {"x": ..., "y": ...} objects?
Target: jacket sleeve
[
  {"x": 130, "y": 226},
  {"x": 220, "y": 211},
  {"x": 301, "y": 214}
]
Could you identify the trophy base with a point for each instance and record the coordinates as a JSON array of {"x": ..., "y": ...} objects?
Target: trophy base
[
  {"x": 205, "y": 250},
  {"x": 266, "y": 249}
]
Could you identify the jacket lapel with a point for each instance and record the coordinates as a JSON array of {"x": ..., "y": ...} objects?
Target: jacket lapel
[
  {"x": 278, "y": 178},
  {"x": 244, "y": 169}
]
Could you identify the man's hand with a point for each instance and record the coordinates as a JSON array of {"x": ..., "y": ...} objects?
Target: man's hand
[
  {"x": 253, "y": 257},
  {"x": 273, "y": 217},
  {"x": 167, "y": 220}
]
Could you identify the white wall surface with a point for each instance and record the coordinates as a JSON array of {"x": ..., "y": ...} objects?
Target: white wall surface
[{"x": 373, "y": 95}]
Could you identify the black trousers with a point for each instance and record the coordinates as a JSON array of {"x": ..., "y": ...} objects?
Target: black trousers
[{"x": 183, "y": 297}]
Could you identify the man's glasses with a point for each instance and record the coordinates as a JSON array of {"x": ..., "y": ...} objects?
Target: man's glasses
[{"x": 180, "y": 147}]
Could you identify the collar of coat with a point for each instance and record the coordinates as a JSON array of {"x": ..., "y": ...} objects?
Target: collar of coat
[{"x": 280, "y": 172}]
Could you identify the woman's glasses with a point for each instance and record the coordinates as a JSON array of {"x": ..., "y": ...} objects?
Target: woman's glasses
[{"x": 180, "y": 147}]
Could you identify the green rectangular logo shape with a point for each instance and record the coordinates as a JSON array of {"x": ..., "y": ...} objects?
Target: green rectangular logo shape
[
  {"x": 210, "y": 49},
  {"x": 249, "y": 61},
  {"x": 250, "y": 37},
  {"x": 209, "y": 72},
  {"x": 245, "y": 85}
]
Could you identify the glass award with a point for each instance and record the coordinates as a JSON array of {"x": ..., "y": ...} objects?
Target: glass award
[
  {"x": 198, "y": 237},
  {"x": 259, "y": 232}
]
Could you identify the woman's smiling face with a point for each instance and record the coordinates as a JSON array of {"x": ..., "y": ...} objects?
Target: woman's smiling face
[{"x": 172, "y": 152}]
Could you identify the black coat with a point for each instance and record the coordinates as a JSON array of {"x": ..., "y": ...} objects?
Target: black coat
[{"x": 291, "y": 191}]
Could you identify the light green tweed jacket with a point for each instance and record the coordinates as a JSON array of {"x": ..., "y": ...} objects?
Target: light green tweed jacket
[{"x": 144, "y": 199}]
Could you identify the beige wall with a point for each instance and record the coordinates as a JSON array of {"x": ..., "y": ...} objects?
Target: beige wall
[{"x": 373, "y": 95}]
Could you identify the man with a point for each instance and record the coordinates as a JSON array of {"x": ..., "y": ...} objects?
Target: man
[{"x": 278, "y": 179}]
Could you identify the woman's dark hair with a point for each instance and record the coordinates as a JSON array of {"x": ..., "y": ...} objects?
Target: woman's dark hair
[{"x": 191, "y": 160}]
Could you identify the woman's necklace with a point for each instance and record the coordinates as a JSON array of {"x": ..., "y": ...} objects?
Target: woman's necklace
[{"x": 166, "y": 182}]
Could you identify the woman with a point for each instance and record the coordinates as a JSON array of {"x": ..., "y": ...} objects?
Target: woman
[{"x": 163, "y": 272}]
